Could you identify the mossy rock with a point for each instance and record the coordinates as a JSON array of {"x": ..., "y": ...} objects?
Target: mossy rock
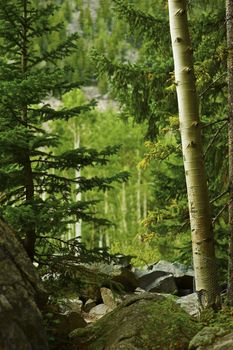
[
  {"x": 148, "y": 322},
  {"x": 206, "y": 338}
]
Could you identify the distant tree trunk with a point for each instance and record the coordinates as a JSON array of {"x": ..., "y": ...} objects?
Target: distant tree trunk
[
  {"x": 229, "y": 24},
  {"x": 103, "y": 234},
  {"x": 139, "y": 216},
  {"x": 78, "y": 224},
  {"x": 199, "y": 208},
  {"x": 124, "y": 208},
  {"x": 145, "y": 205}
]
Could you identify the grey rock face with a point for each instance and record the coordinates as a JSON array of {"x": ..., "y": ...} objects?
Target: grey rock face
[
  {"x": 21, "y": 291},
  {"x": 189, "y": 303},
  {"x": 212, "y": 338},
  {"x": 163, "y": 284},
  {"x": 166, "y": 277}
]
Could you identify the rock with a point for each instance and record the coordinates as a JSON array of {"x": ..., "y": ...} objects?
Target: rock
[
  {"x": 223, "y": 343},
  {"x": 184, "y": 277},
  {"x": 142, "y": 322},
  {"x": 185, "y": 285},
  {"x": 212, "y": 338},
  {"x": 108, "y": 298},
  {"x": 89, "y": 304},
  {"x": 163, "y": 284},
  {"x": 146, "y": 278},
  {"x": 99, "y": 311},
  {"x": 127, "y": 280},
  {"x": 190, "y": 304},
  {"x": 70, "y": 304},
  {"x": 21, "y": 292},
  {"x": 177, "y": 269},
  {"x": 66, "y": 323},
  {"x": 139, "y": 290}
]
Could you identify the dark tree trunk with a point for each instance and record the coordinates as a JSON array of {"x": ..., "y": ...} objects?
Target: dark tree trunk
[
  {"x": 229, "y": 24},
  {"x": 29, "y": 227}
]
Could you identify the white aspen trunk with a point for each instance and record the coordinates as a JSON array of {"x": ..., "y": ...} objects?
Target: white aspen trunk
[
  {"x": 106, "y": 211},
  {"x": 145, "y": 205},
  {"x": 78, "y": 224},
  {"x": 199, "y": 208},
  {"x": 124, "y": 208},
  {"x": 139, "y": 216}
]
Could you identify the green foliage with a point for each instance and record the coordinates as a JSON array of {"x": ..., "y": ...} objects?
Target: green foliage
[
  {"x": 145, "y": 89},
  {"x": 222, "y": 319},
  {"x": 37, "y": 196}
]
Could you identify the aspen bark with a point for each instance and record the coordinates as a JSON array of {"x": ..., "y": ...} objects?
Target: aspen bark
[
  {"x": 229, "y": 24},
  {"x": 124, "y": 208},
  {"x": 78, "y": 224},
  {"x": 199, "y": 208},
  {"x": 145, "y": 204},
  {"x": 139, "y": 216}
]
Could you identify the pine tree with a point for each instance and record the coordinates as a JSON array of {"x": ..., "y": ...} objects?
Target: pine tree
[
  {"x": 229, "y": 24},
  {"x": 35, "y": 189}
]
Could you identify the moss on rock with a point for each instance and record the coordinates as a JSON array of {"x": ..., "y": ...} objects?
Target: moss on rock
[{"x": 148, "y": 321}]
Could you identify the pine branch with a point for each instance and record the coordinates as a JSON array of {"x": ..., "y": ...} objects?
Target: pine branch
[{"x": 144, "y": 23}]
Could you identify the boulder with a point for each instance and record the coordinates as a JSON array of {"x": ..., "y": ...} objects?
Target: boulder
[
  {"x": 164, "y": 284},
  {"x": 108, "y": 298},
  {"x": 146, "y": 278},
  {"x": 89, "y": 304},
  {"x": 70, "y": 304},
  {"x": 126, "y": 279},
  {"x": 190, "y": 304},
  {"x": 99, "y": 311},
  {"x": 177, "y": 269},
  {"x": 21, "y": 292},
  {"x": 148, "y": 321},
  {"x": 184, "y": 277},
  {"x": 212, "y": 338},
  {"x": 66, "y": 323}
]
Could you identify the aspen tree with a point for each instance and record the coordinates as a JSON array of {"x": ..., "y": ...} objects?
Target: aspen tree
[{"x": 199, "y": 208}]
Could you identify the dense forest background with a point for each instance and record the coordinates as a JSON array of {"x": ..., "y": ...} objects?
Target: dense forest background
[{"x": 122, "y": 60}]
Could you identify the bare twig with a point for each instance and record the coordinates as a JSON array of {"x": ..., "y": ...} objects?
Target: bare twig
[
  {"x": 219, "y": 196},
  {"x": 213, "y": 123},
  {"x": 220, "y": 212},
  {"x": 214, "y": 137},
  {"x": 211, "y": 84}
]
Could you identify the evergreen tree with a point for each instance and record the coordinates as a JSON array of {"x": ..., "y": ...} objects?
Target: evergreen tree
[
  {"x": 35, "y": 191},
  {"x": 229, "y": 24}
]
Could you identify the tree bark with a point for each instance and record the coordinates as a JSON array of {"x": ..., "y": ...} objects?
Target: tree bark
[
  {"x": 124, "y": 208},
  {"x": 229, "y": 24},
  {"x": 78, "y": 224},
  {"x": 29, "y": 227},
  {"x": 199, "y": 208}
]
